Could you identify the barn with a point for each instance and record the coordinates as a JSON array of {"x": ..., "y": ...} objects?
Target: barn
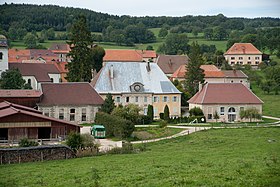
[{"x": 17, "y": 122}]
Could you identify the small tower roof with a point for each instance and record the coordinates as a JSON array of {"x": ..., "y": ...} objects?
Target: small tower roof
[{"x": 3, "y": 41}]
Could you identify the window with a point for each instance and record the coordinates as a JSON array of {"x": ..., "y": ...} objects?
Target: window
[
  {"x": 61, "y": 114},
  {"x": 51, "y": 79},
  {"x": 47, "y": 113},
  {"x": 232, "y": 62},
  {"x": 241, "y": 108},
  {"x": 232, "y": 58},
  {"x": 257, "y": 62},
  {"x": 145, "y": 99},
  {"x": 241, "y": 81},
  {"x": 257, "y": 58},
  {"x": 84, "y": 114},
  {"x": 175, "y": 110},
  {"x": 29, "y": 81},
  {"x": 222, "y": 110},
  {"x": 155, "y": 99},
  {"x": 165, "y": 99},
  {"x": 72, "y": 114},
  {"x": 209, "y": 116},
  {"x": 145, "y": 111},
  {"x": 174, "y": 98},
  {"x": 127, "y": 99},
  {"x": 249, "y": 62},
  {"x": 155, "y": 111},
  {"x": 118, "y": 99},
  {"x": 136, "y": 99},
  {"x": 231, "y": 81},
  {"x": 241, "y": 62},
  {"x": 240, "y": 58},
  {"x": 1, "y": 56},
  {"x": 249, "y": 58}
]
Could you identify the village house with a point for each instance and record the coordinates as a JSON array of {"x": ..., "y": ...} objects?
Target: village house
[
  {"x": 28, "y": 98},
  {"x": 214, "y": 75},
  {"x": 243, "y": 53},
  {"x": 77, "y": 102},
  {"x": 61, "y": 51},
  {"x": 3, "y": 54},
  {"x": 17, "y": 122},
  {"x": 37, "y": 73},
  {"x": 170, "y": 63},
  {"x": 227, "y": 99},
  {"x": 129, "y": 55},
  {"x": 142, "y": 84}
]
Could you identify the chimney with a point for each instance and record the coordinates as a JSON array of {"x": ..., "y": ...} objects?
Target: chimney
[
  {"x": 170, "y": 63},
  {"x": 148, "y": 67},
  {"x": 111, "y": 72}
]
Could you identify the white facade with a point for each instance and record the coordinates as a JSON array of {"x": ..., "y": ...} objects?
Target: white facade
[
  {"x": 253, "y": 60},
  {"x": 3, "y": 59},
  {"x": 55, "y": 77},
  {"x": 37, "y": 85},
  {"x": 79, "y": 114}
]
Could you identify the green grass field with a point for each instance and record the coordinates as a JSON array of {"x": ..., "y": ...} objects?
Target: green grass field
[{"x": 224, "y": 157}]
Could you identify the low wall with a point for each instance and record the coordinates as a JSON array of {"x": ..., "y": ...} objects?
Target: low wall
[{"x": 35, "y": 154}]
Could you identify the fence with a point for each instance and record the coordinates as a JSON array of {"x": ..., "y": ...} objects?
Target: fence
[{"x": 35, "y": 154}]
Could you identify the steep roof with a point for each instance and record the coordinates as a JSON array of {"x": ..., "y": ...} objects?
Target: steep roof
[
  {"x": 6, "y": 104},
  {"x": 70, "y": 94},
  {"x": 125, "y": 74},
  {"x": 147, "y": 53},
  {"x": 118, "y": 55},
  {"x": 20, "y": 93},
  {"x": 170, "y": 63},
  {"x": 39, "y": 71},
  {"x": 60, "y": 48},
  {"x": 234, "y": 74},
  {"x": 225, "y": 93},
  {"x": 12, "y": 110},
  {"x": 46, "y": 54},
  {"x": 210, "y": 71},
  {"x": 242, "y": 48},
  {"x": 61, "y": 66}
]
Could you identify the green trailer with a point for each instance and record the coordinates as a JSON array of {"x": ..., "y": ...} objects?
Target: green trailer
[{"x": 98, "y": 131}]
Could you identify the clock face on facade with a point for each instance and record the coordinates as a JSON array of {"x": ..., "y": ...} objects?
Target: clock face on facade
[{"x": 137, "y": 88}]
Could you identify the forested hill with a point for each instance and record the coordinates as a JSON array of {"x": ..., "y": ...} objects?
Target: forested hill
[{"x": 39, "y": 17}]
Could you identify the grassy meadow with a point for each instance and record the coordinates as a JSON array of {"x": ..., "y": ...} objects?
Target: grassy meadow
[{"x": 224, "y": 157}]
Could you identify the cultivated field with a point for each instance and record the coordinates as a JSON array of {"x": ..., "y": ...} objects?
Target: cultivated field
[{"x": 224, "y": 157}]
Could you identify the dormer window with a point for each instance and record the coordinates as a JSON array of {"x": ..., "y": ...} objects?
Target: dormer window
[{"x": 137, "y": 87}]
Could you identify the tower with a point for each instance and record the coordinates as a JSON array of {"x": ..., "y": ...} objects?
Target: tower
[{"x": 3, "y": 54}]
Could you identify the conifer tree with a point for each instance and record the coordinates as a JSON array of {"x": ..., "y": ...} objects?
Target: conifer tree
[
  {"x": 150, "y": 113},
  {"x": 194, "y": 74},
  {"x": 166, "y": 113},
  {"x": 108, "y": 105}
]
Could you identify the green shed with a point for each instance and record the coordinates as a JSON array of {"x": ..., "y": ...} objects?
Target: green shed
[{"x": 98, "y": 131}]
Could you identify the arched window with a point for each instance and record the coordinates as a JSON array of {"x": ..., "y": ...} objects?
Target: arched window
[
  {"x": 29, "y": 81},
  {"x": 231, "y": 110}
]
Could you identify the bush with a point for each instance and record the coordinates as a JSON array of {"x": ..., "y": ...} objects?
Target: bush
[
  {"x": 27, "y": 143},
  {"x": 161, "y": 115},
  {"x": 115, "y": 125},
  {"x": 74, "y": 140},
  {"x": 163, "y": 124},
  {"x": 143, "y": 119},
  {"x": 196, "y": 111}
]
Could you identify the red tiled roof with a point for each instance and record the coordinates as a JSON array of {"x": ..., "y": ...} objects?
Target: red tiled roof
[
  {"x": 11, "y": 110},
  {"x": 235, "y": 74},
  {"x": 20, "y": 93},
  {"x": 147, "y": 53},
  {"x": 210, "y": 71},
  {"x": 39, "y": 71},
  {"x": 225, "y": 93},
  {"x": 242, "y": 48},
  {"x": 117, "y": 55},
  {"x": 6, "y": 104},
  {"x": 17, "y": 55},
  {"x": 60, "y": 48},
  {"x": 170, "y": 63},
  {"x": 61, "y": 66},
  {"x": 70, "y": 94}
]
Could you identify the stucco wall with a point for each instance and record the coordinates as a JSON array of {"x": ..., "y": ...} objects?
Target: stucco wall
[
  {"x": 4, "y": 60},
  {"x": 245, "y": 59}
]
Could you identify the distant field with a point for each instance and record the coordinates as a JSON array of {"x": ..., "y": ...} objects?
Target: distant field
[{"x": 221, "y": 157}]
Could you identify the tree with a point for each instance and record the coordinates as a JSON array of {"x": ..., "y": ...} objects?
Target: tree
[
  {"x": 30, "y": 41},
  {"x": 108, "y": 105},
  {"x": 194, "y": 74},
  {"x": 250, "y": 113},
  {"x": 74, "y": 140},
  {"x": 166, "y": 116},
  {"x": 81, "y": 64},
  {"x": 12, "y": 79},
  {"x": 175, "y": 44},
  {"x": 129, "y": 112},
  {"x": 97, "y": 54},
  {"x": 216, "y": 116},
  {"x": 162, "y": 33},
  {"x": 150, "y": 112},
  {"x": 196, "y": 111}
]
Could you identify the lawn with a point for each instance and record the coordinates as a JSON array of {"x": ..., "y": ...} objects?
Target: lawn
[
  {"x": 146, "y": 133},
  {"x": 224, "y": 157}
]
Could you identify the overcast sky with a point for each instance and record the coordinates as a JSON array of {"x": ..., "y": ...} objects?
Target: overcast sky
[{"x": 234, "y": 8}]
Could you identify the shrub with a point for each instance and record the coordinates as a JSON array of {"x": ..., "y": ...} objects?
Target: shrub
[
  {"x": 163, "y": 124},
  {"x": 74, "y": 140},
  {"x": 24, "y": 142},
  {"x": 161, "y": 115},
  {"x": 143, "y": 119},
  {"x": 115, "y": 125},
  {"x": 196, "y": 111}
]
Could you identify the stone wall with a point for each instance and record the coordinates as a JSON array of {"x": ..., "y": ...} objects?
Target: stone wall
[{"x": 35, "y": 154}]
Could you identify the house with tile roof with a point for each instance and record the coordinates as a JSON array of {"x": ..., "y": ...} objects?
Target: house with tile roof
[
  {"x": 17, "y": 122},
  {"x": 138, "y": 83},
  {"x": 37, "y": 73},
  {"x": 214, "y": 75},
  {"x": 129, "y": 55},
  {"x": 28, "y": 98},
  {"x": 74, "y": 102},
  {"x": 3, "y": 54},
  {"x": 243, "y": 53},
  {"x": 170, "y": 63},
  {"x": 227, "y": 99},
  {"x": 61, "y": 51}
]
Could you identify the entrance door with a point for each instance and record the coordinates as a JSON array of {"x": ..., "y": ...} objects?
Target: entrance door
[
  {"x": 231, "y": 114},
  {"x": 3, "y": 134},
  {"x": 44, "y": 132}
]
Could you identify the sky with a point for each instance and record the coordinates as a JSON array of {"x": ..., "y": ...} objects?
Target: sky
[{"x": 234, "y": 8}]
